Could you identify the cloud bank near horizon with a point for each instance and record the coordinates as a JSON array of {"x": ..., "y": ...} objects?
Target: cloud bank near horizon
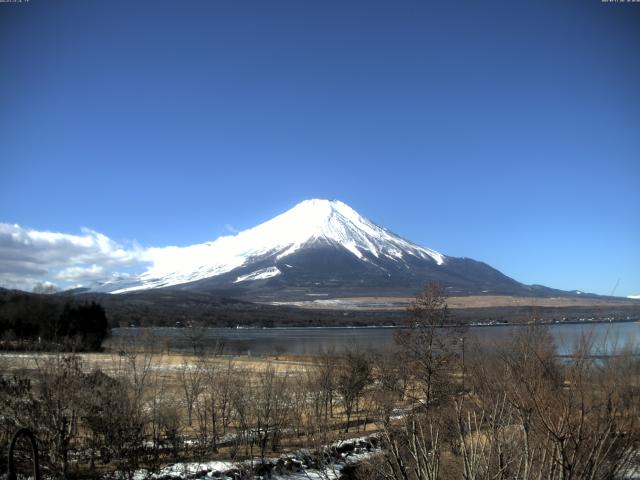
[{"x": 46, "y": 261}]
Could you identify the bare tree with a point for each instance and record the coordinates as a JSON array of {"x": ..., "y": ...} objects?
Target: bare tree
[
  {"x": 110, "y": 417},
  {"x": 353, "y": 375},
  {"x": 325, "y": 365},
  {"x": 412, "y": 450},
  {"x": 191, "y": 375},
  {"x": 429, "y": 344},
  {"x": 241, "y": 400},
  {"x": 391, "y": 378},
  {"x": 271, "y": 408},
  {"x": 59, "y": 382},
  {"x": 575, "y": 420},
  {"x": 195, "y": 334},
  {"x": 214, "y": 407}
]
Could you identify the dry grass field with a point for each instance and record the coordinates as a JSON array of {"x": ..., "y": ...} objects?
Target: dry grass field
[
  {"x": 167, "y": 364},
  {"x": 472, "y": 301}
]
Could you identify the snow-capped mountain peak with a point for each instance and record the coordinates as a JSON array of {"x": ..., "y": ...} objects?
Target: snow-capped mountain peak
[
  {"x": 310, "y": 222},
  {"x": 335, "y": 221}
]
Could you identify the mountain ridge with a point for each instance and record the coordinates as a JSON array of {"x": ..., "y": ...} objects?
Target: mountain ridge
[
  {"x": 307, "y": 223},
  {"x": 317, "y": 248}
]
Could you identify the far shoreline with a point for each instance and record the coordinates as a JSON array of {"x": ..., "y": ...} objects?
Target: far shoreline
[{"x": 354, "y": 327}]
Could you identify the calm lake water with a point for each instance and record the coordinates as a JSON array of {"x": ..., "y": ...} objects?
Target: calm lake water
[{"x": 607, "y": 337}]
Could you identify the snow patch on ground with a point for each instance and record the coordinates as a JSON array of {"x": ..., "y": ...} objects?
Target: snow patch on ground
[
  {"x": 302, "y": 464},
  {"x": 193, "y": 469}
]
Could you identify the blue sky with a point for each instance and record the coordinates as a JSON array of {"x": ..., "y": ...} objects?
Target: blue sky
[{"x": 504, "y": 131}]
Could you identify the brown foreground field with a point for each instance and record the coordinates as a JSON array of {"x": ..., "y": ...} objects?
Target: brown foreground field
[
  {"x": 146, "y": 409},
  {"x": 516, "y": 412}
]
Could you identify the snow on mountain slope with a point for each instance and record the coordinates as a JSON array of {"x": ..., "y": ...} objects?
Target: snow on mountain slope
[
  {"x": 259, "y": 274},
  {"x": 308, "y": 222}
]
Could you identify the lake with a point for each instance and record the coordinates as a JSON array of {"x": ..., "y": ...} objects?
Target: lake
[{"x": 608, "y": 337}]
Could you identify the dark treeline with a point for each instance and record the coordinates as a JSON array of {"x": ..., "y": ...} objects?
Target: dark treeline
[
  {"x": 45, "y": 322},
  {"x": 168, "y": 308}
]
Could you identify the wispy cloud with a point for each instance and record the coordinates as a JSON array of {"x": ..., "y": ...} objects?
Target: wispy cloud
[
  {"x": 231, "y": 229},
  {"x": 34, "y": 259}
]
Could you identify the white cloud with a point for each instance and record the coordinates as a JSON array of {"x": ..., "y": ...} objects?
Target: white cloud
[
  {"x": 31, "y": 258},
  {"x": 635, "y": 297},
  {"x": 74, "y": 274},
  {"x": 231, "y": 229}
]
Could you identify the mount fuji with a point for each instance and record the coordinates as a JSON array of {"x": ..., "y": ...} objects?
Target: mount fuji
[{"x": 319, "y": 248}]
